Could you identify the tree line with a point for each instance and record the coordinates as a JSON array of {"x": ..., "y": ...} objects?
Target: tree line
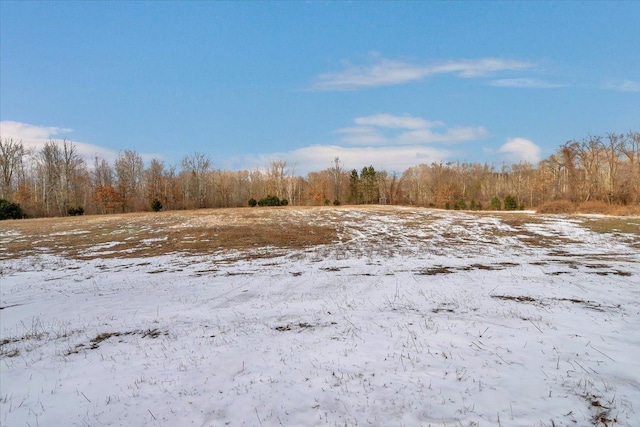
[{"x": 57, "y": 181}]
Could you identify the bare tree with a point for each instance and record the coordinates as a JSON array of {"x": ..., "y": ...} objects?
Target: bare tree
[
  {"x": 153, "y": 178},
  {"x": 389, "y": 187},
  {"x": 11, "y": 156},
  {"x": 195, "y": 169},
  {"x": 129, "y": 169},
  {"x": 54, "y": 178},
  {"x": 550, "y": 176},
  {"x": 105, "y": 197},
  {"x": 612, "y": 156},
  {"x": 569, "y": 161},
  {"x": 241, "y": 190},
  {"x": 292, "y": 187},
  {"x": 223, "y": 183},
  {"x": 257, "y": 184},
  {"x": 590, "y": 161},
  {"x": 337, "y": 174},
  {"x": 171, "y": 188},
  {"x": 103, "y": 175},
  {"x": 417, "y": 184},
  {"x": 317, "y": 188},
  {"x": 277, "y": 174},
  {"x": 630, "y": 188},
  {"x": 444, "y": 184},
  {"x": 60, "y": 168}
]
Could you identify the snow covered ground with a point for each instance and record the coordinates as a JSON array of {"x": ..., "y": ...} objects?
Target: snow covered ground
[{"x": 411, "y": 318}]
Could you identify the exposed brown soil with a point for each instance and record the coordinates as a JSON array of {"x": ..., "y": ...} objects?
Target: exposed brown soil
[
  {"x": 264, "y": 231},
  {"x": 150, "y": 234}
]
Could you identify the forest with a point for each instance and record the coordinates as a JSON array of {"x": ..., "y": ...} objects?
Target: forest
[{"x": 594, "y": 173}]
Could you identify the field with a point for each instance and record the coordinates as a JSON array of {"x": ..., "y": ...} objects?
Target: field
[{"x": 383, "y": 316}]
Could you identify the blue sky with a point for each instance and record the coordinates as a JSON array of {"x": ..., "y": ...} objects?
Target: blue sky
[{"x": 390, "y": 84}]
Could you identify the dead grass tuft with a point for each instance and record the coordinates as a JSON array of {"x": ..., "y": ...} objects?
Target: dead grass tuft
[
  {"x": 557, "y": 207},
  {"x": 517, "y": 298},
  {"x": 433, "y": 271},
  {"x": 595, "y": 207},
  {"x": 96, "y": 341},
  {"x": 289, "y": 327},
  {"x": 621, "y": 225}
]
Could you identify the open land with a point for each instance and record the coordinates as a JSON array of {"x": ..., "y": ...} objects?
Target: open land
[{"x": 381, "y": 316}]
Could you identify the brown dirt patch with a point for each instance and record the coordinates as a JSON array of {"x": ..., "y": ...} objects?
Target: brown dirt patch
[
  {"x": 151, "y": 234},
  {"x": 266, "y": 232}
]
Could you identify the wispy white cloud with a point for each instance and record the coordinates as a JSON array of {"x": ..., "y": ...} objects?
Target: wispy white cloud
[
  {"x": 623, "y": 86},
  {"x": 35, "y": 137},
  {"x": 386, "y": 141},
  {"x": 525, "y": 83},
  {"x": 27, "y": 132},
  {"x": 387, "y": 129},
  {"x": 386, "y": 72},
  {"x": 480, "y": 67},
  {"x": 520, "y": 150},
  {"x": 362, "y": 135},
  {"x": 318, "y": 157},
  {"x": 389, "y": 158},
  {"x": 391, "y": 121},
  {"x": 450, "y": 135}
]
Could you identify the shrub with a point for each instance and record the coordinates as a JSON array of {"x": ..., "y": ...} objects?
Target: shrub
[
  {"x": 496, "y": 204},
  {"x": 156, "y": 205},
  {"x": 595, "y": 207},
  {"x": 460, "y": 204},
  {"x": 253, "y": 202},
  {"x": 272, "y": 201},
  {"x": 10, "y": 210},
  {"x": 510, "y": 203},
  {"x": 627, "y": 210},
  {"x": 76, "y": 211},
  {"x": 475, "y": 206},
  {"x": 336, "y": 202},
  {"x": 557, "y": 207}
]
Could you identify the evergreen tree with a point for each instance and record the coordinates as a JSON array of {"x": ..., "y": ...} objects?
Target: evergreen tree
[
  {"x": 496, "y": 204},
  {"x": 10, "y": 210},
  {"x": 354, "y": 187},
  {"x": 369, "y": 182},
  {"x": 510, "y": 203},
  {"x": 460, "y": 204},
  {"x": 156, "y": 205}
]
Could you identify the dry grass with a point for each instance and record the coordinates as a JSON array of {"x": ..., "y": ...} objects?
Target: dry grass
[
  {"x": 151, "y": 234},
  {"x": 589, "y": 207},
  {"x": 595, "y": 207},
  {"x": 557, "y": 207},
  {"x": 627, "y": 228},
  {"x": 265, "y": 231}
]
